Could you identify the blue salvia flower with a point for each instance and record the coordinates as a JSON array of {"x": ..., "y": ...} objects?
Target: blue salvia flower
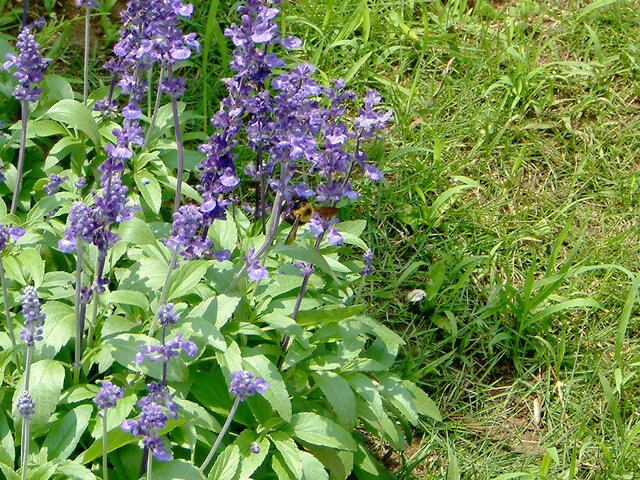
[
  {"x": 244, "y": 384},
  {"x": 185, "y": 233},
  {"x": 167, "y": 315},
  {"x": 305, "y": 268},
  {"x": 159, "y": 394},
  {"x": 165, "y": 352},
  {"x": 7, "y": 232},
  {"x": 88, "y": 3},
  {"x": 81, "y": 223},
  {"x": 30, "y": 64},
  {"x": 255, "y": 271},
  {"x": 255, "y": 448},
  {"x": 32, "y": 315},
  {"x": 25, "y": 405},
  {"x": 367, "y": 258},
  {"x": 108, "y": 395},
  {"x": 55, "y": 181},
  {"x": 151, "y": 419}
]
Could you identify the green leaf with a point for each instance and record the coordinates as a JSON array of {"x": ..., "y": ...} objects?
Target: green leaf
[
  {"x": 115, "y": 415},
  {"x": 57, "y": 329},
  {"x": 137, "y": 232},
  {"x": 312, "y": 428},
  {"x": 250, "y": 461},
  {"x": 30, "y": 258},
  {"x": 306, "y": 254},
  {"x": 128, "y": 297},
  {"x": 63, "y": 439},
  {"x": 339, "y": 395},
  {"x": 338, "y": 462},
  {"x": 7, "y": 443},
  {"x": 186, "y": 277},
  {"x": 217, "y": 310},
  {"x": 366, "y": 467},
  {"x": 276, "y": 394},
  {"x": 57, "y": 87},
  {"x": 175, "y": 469},
  {"x": 226, "y": 465},
  {"x": 45, "y": 385},
  {"x": 312, "y": 469},
  {"x": 9, "y": 472},
  {"x": 74, "y": 471},
  {"x": 400, "y": 397},
  {"x": 330, "y": 313},
  {"x": 225, "y": 233},
  {"x": 76, "y": 115},
  {"x": 290, "y": 452},
  {"x": 424, "y": 404},
  {"x": 150, "y": 190}
]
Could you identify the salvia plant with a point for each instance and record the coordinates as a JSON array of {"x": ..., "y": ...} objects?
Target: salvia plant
[{"x": 201, "y": 298}]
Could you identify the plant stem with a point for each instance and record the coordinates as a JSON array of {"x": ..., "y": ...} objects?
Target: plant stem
[
  {"x": 105, "y": 444},
  {"x": 165, "y": 289},
  {"x": 149, "y": 464},
  {"x": 21, "y": 152},
  {"x": 78, "y": 308},
  {"x": 176, "y": 126},
  {"x": 25, "y": 10},
  {"x": 102, "y": 257},
  {"x": 156, "y": 106},
  {"x": 87, "y": 31},
  {"x": 164, "y": 361},
  {"x": 27, "y": 367},
  {"x": 225, "y": 427},
  {"x": 25, "y": 447},
  {"x": 7, "y": 311}
]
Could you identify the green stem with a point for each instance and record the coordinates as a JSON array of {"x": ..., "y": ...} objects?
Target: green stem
[
  {"x": 102, "y": 257},
  {"x": 105, "y": 443},
  {"x": 156, "y": 107},
  {"x": 87, "y": 32},
  {"x": 7, "y": 311},
  {"x": 218, "y": 441},
  {"x": 176, "y": 126},
  {"x": 149, "y": 464},
  {"x": 165, "y": 289},
  {"x": 26, "y": 427},
  {"x": 78, "y": 300},
  {"x": 21, "y": 153},
  {"x": 27, "y": 368}
]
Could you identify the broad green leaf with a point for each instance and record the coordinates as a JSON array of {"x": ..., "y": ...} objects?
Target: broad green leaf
[
  {"x": 278, "y": 464},
  {"x": 353, "y": 227},
  {"x": 400, "y": 397},
  {"x": 312, "y": 428},
  {"x": 10, "y": 473},
  {"x": 57, "y": 87},
  {"x": 290, "y": 452},
  {"x": 150, "y": 190},
  {"x": 330, "y": 313},
  {"x": 250, "y": 461},
  {"x": 175, "y": 469},
  {"x": 424, "y": 404},
  {"x": 31, "y": 260},
  {"x": 366, "y": 467},
  {"x": 227, "y": 464},
  {"x": 7, "y": 443},
  {"x": 338, "y": 462},
  {"x": 74, "y": 471},
  {"x": 66, "y": 434},
  {"x": 276, "y": 394},
  {"x": 115, "y": 415},
  {"x": 286, "y": 326},
  {"x": 128, "y": 297},
  {"x": 312, "y": 469},
  {"x": 216, "y": 310},
  {"x": 76, "y": 115},
  {"x": 42, "y": 472},
  {"x": 306, "y": 254},
  {"x": 45, "y": 385},
  {"x": 186, "y": 277},
  {"x": 57, "y": 330},
  {"x": 137, "y": 232},
  {"x": 225, "y": 233},
  {"x": 339, "y": 395}
]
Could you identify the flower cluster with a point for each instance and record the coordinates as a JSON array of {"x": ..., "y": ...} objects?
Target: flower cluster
[
  {"x": 167, "y": 315},
  {"x": 152, "y": 418},
  {"x": 367, "y": 258},
  {"x": 306, "y": 268},
  {"x": 14, "y": 232},
  {"x": 55, "y": 181},
  {"x": 255, "y": 271},
  {"x": 30, "y": 65},
  {"x": 244, "y": 384},
  {"x": 165, "y": 352},
  {"x": 88, "y": 3},
  {"x": 32, "y": 315},
  {"x": 159, "y": 394},
  {"x": 108, "y": 395},
  {"x": 25, "y": 404}
]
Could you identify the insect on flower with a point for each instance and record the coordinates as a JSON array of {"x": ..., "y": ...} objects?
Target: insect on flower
[{"x": 300, "y": 211}]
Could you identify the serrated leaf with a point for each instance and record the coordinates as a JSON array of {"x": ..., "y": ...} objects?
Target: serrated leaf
[
  {"x": 74, "y": 471},
  {"x": 57, "y": 330},
  {"x": 250, "y": 461},
  {"x": 216, "y": 310},
  {"x": 424, "y": 404},
  {"x": 289, "y": 451},
  {"x": 312, "y": 469},
  {"x": 63, "y": 439},
  {"x": 76, "y": 115},
  {"x": 339, "y": 395},
  {"x": 276, "y": 394},
  {"x": 226, "y": 465},
  {"x": 312, "y": 428}
]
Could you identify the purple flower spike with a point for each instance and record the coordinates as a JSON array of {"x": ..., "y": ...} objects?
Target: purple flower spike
[
  {"x": 188, "y": 222},
  {"x": 108, "y": 395},
  {"x": 152, "y": 418},
  {"x": 167, "y": 315},
  {"x": 160, "y": 394},
  {"x": 244, "y": 384},
  {"x": 256, "y": 272},
  {"x": 165, "y": 352},
  {"x": 55, "y": 181},
  {"x": 368, "y": 263},
  {"x": 32, "y": 315},
  {"x": 88, "y": 3},
  {"x": 25, "y": 404},
  {"x": 30, "y": 66}
]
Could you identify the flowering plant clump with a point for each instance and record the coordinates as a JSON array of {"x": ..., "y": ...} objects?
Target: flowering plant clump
[{"x": 210, "y": 273}]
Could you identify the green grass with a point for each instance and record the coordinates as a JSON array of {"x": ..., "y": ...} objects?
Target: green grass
[
  {"x": 509, "y": 199},
  {"x": 536, "y": 125}
]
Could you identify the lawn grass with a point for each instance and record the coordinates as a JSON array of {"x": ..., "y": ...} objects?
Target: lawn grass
[
  {"x": 513, "y": 191},
  {"x": 536, "y": 127}
]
